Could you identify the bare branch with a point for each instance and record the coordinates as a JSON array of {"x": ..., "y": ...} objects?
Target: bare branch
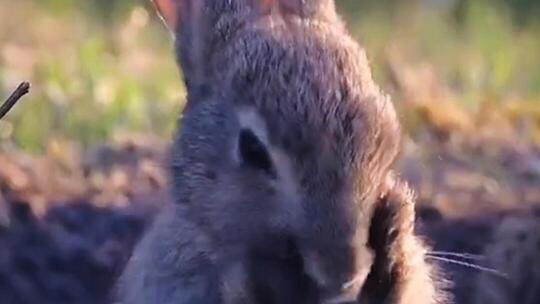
[{"x": 19, "y": 92}]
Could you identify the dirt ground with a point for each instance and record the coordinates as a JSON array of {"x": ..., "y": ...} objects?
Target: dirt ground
[{"x": 69, "y": 220}]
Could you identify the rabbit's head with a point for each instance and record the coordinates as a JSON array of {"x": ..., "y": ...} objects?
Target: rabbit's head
[
  {"x": 201, "y": 28},
  {"x": 290, "y": 136}
]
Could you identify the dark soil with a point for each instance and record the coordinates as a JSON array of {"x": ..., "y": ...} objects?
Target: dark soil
[{"x": 69, "y": 244}]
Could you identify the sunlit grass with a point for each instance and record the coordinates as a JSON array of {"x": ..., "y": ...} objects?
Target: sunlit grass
[
  {"x": 103, "y": 67},
  {"x": 89, "y": 81}
]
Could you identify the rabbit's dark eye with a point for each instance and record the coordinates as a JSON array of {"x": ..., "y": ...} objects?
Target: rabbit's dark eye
[{"x": 253, "y": 153}]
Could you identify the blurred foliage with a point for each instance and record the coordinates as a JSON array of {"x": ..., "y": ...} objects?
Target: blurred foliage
[
  {"x": 91, "y": 77},
  {"x": 104, "y": 67}
]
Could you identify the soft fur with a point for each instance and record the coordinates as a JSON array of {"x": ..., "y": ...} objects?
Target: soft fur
[{"x": 294, "y": 77}]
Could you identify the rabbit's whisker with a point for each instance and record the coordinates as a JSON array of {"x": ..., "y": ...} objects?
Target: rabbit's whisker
[
  {"x": 469, "y": 265},
  {"x": 468, "y": 256}
]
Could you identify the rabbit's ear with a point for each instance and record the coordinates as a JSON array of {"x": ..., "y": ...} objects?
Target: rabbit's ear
[
  {"x": 303, "y": 8},
  {"x": 171, "y": 11}
]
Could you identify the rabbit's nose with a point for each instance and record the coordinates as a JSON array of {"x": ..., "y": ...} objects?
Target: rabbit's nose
[
  {"x": 342, "y": 298},
  {"x": 340, "y": 272},
  {"x": 345, "y": 298},
  {"x": 349, "y": 291}
]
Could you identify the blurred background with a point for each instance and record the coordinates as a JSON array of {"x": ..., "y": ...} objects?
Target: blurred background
[{"x": 82, "y": 157}]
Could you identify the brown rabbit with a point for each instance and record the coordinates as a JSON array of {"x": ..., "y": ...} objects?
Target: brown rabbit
[{"x": 280, "y": 169}]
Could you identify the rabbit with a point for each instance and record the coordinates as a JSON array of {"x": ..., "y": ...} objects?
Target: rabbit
[{"x": 279, "y": 168}]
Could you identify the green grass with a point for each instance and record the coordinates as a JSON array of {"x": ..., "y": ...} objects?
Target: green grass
[{"x": 103, "y": 67}]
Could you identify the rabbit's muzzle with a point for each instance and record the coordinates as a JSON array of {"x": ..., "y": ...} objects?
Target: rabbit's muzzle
[{"x": 340, "y": 272}]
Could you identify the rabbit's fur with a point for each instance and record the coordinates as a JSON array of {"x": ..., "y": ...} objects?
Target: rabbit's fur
[{"x": 278, "y": 169}]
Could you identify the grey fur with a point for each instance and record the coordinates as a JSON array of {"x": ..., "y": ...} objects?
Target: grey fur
[{"x": 331, "y": 133}]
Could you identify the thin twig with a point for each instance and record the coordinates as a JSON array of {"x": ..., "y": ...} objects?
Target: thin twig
[{"x": 19, "y": 92}]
